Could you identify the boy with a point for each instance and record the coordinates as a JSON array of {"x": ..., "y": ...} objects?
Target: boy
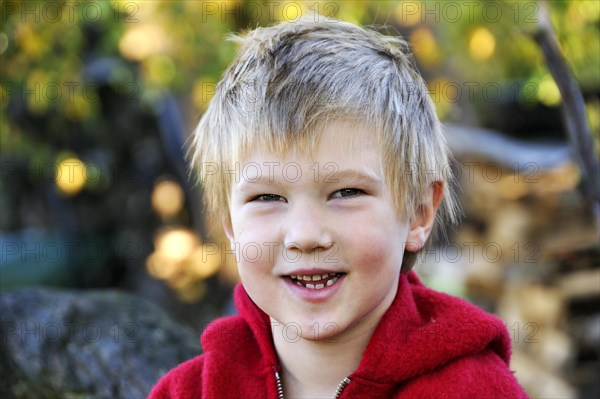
[{"x": 323, "y": 156}]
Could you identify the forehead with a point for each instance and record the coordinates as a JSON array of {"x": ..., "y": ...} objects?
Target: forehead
[
  {"x": 336, "y": 141},
  {"x": 342, "y": 151}
]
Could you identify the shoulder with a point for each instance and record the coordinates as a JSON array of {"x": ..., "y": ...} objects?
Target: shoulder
[
  {"x": 459, "y": 327},
  {"x": 481, "y": 375},
  {"x": 182, "y": 382}
]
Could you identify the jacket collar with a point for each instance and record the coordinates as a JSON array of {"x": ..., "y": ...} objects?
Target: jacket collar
[{"x": 421, "y": 330}]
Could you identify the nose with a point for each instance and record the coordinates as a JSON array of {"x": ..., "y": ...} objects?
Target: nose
[{"x": 307, "y": 229}]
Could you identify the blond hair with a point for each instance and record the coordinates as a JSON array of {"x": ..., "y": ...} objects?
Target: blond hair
[{"x": 289, "y": 80}]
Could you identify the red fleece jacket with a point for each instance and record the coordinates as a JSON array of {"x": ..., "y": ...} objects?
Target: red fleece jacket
[{"x": 427, "y": 345}]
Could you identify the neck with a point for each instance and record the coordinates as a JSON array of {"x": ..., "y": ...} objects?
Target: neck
[{"x": 314, "y": 369}]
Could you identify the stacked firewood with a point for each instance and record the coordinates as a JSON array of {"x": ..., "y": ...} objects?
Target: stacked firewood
[{"x": 529, "y": 253}]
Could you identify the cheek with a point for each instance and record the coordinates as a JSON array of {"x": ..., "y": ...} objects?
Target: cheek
[
  {"x": 251, "y": 234},
  {"x": 258, "y": 288},
  {"x": 376, "y": 248},
  {"x": 253, "y": 228},
  {"x": 256, "y": 250}
]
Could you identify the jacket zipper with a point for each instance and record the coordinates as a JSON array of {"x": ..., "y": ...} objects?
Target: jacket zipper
[
  {"x": 279, "y": 386},
  {"x": 341, "y": 386}
]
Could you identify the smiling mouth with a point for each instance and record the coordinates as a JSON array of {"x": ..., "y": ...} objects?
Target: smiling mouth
[{"x": 316, "y": 281}]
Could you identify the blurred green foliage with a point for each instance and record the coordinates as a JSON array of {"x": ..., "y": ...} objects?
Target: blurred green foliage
[{"x": 180, "y": 47}]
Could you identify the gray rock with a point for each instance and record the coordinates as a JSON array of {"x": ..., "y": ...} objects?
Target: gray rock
[{"x": 86, "y": 344}]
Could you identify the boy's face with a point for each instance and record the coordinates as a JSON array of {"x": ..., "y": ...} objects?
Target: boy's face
[{"x": 327, "y": 214}]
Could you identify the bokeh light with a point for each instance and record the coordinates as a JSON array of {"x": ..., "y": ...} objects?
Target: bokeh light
[
  {"x": 425, "y": 47},
  {"x": 176, "y": 244},
  {"x": 142, "y": 41},
  {"x": 71, "y": 175},
  {"x": 183, "y": 262},
  {"x": 482, "y": 44},
  {"x": 167, "y": 198},
  {"x": 548, "y": 92}
]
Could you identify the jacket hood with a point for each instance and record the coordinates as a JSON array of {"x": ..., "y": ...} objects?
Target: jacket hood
[{"x": 428, "y": 329}]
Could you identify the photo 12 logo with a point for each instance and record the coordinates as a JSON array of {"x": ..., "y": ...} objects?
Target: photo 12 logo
[
  {"x": 426, "y": 11},
  {"x": 66, "y": 91},
  {"x": 272, "y": 11},
  {"x": 70, "y": 11},
  {"x": 29, "y": 331}
]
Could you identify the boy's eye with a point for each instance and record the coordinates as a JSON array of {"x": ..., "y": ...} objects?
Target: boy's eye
[
  {"x": 347, "y": 192},
  {"x": 268, "y": 197}
]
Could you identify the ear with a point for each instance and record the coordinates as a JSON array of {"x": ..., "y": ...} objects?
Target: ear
[
  {"x": 227, "y": 227},
  {"x": 422, "y": 224}
]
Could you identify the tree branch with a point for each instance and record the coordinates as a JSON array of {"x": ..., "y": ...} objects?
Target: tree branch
[{"x": 573, "y": 106}]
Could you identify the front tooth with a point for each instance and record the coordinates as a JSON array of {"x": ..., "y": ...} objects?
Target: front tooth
[
  {"x": 324, "y": 276},
  {"x": 319, "y": 286},
  {"x": 316, "y": 277},
  {"x": 333, "y": 280},
  {"x": 310, "y": 286},
  {"x": 306, "y": 278}
]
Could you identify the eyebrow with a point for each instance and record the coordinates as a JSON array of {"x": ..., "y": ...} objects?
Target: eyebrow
[
  {"x": 351, "y": 174},
  {"x": 325, "y": 177}
]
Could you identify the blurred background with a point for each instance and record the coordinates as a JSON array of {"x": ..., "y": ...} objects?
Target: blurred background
[{"x": 103, "y": 239}]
